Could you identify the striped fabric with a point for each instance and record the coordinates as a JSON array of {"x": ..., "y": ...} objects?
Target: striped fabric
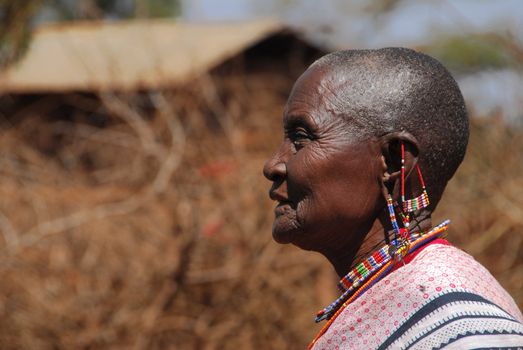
[
  {"x": 456, "y": 318},
  {"x": 442, "y": 299}
]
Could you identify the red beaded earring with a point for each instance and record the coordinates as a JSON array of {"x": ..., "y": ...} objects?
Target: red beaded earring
[{"x": 420, "y": 202}]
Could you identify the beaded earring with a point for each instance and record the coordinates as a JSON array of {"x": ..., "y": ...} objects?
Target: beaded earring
[
  {"x": 399, "y": 245},
  {"x": 392, "y": 215},
  {"x": 420, "y": 202}
]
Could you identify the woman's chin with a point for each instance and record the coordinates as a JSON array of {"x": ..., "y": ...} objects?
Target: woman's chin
[{"x": 284, "y": 230}]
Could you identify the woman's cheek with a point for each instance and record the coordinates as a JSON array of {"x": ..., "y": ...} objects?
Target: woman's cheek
[{"x": 303, "y": 212}]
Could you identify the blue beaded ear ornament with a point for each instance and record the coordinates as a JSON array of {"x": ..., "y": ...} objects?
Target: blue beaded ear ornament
[
  {"x": 399, "y": 245},
  {"x": 392, "y": 215}
]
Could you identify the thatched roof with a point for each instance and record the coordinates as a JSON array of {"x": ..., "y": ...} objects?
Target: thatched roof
[{"x": 127, "y": 55}]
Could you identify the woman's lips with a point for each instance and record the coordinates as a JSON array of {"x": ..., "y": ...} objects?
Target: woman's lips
[{"x": 281, "y": 208}]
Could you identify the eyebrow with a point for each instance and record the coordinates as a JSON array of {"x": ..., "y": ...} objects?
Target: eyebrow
[{"x": 299, "y": 119}]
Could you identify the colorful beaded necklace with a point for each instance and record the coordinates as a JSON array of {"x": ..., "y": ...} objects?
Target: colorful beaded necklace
[{"x": 377, "y": 265}]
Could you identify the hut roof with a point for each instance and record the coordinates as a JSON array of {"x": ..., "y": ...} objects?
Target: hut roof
[{"x": 127, "y": 55}]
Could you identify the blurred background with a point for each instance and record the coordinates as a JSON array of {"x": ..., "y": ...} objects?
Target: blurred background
[{"x": 133, "y": 211}]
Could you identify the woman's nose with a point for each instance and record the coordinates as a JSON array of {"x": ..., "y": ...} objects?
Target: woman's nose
[{"x": 274, "y": 169}]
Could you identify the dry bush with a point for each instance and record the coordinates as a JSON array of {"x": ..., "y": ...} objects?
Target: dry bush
[
  {"x": 149, "y": 227},
  {"x": 152, "y": 230}
]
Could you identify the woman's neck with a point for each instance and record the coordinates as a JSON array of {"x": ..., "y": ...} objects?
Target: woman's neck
[{"x": 346, "y": 259}]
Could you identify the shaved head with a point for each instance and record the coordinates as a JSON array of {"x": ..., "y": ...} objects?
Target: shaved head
[{"x": 397, "y": 89}]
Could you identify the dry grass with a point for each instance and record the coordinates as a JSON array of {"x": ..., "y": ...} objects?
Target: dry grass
[{"x": 150, "y": 228}]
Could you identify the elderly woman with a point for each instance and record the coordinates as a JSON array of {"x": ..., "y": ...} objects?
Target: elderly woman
[{"x": 371, "y": 139}]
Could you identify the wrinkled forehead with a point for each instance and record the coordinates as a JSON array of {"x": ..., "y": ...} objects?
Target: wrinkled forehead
[
  {"x": 317, "y": 88},
  {"x": 317, "y": 80},
  {"x": 318, "y": 100},
  {"x": 362, "y": 86}
]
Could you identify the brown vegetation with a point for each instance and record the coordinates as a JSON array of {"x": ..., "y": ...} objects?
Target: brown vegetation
[{"x": 143, "y": 221}]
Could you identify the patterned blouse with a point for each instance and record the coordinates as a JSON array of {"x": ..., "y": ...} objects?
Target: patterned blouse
[{"x": 442, "y": 298}]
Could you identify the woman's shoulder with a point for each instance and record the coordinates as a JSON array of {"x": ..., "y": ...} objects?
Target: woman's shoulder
[
  {"x": 447, "y": 269},
  {"x": 442, "y": 296},
  {"x": 458, "y": 302}
]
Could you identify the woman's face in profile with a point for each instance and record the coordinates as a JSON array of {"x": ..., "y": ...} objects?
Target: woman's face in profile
[{"x": 325, "y": 179}]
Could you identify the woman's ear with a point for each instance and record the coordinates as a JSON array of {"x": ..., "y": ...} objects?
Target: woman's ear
[{"x": 391, "y": 158}]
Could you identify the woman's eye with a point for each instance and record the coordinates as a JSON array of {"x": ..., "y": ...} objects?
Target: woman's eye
[{"x": 300, "y": 137}]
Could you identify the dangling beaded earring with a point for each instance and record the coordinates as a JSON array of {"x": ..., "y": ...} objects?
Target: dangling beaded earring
[
  {"x": 420, "y": 202},
  {"x": 399, "y": 244},
  {"x": 399, "y": 247},
  {"x": 392, "y": 215}
]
